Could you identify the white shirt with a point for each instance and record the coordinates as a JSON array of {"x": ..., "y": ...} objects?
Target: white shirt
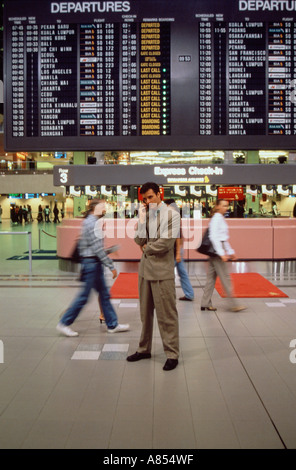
[
  {"x": 219, "y": 235},
  {"x": 157, "y": 223}
]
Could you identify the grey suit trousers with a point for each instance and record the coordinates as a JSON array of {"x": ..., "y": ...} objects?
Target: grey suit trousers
[
  {"x": 217, "y": 267},
  {"x": 160, "y": 295}
]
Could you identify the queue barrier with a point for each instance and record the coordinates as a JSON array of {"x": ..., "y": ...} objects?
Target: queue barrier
[
  {"x": 30, "y": 244},
  {"x": 39, "y": 236}
]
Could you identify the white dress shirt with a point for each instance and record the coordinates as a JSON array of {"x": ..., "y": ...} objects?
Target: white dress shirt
[{"x": 219, "y": 235}]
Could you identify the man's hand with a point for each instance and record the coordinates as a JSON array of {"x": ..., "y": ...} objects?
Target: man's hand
[
  {"x": 142, "y": 213},
  {"x": 114, "y": 273},
  {"x": 224, "y": 258}
]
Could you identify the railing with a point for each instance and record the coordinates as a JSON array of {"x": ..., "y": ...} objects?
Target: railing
[
  {"x": 27, "y": 166},
  {"x": 30, "y": 244}
]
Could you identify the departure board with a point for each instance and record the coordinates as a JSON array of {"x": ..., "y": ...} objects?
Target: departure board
[{"x": 149, "y": 75}]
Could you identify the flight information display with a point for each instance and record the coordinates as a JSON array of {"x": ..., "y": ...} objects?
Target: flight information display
[{"x": 149, "y": 74}]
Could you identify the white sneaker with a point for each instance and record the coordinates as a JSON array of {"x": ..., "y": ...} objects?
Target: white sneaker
[
  {"x": 119, "y": 328},
  {"x": 66, "y": 330}
]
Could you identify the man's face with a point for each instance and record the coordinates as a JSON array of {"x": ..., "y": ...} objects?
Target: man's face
[
  {"x": 151, "y": 199},
  {"x": 100, "y": 209},
  {"x": 223, "y": 207}
]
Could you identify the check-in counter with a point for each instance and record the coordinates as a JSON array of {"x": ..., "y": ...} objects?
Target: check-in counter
[
  {"x": 252, "y": 239},
  {"x": 284, "y": 238},
  {"x": 117, "y": 232}
]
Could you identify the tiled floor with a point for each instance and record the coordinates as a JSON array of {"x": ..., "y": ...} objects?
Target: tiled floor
[{"x": 234, "y": 388}]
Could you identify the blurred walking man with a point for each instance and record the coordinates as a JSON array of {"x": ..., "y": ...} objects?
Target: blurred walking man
[{"x": 93, "y": 260}]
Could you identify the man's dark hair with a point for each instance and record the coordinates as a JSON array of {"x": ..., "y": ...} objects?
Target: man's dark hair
[
  {"x": 169, "y": 201},
  {"x": 172, "y": 203},
  {"x": 149, "y": 185},
  {"x": 218, "y": 202}
]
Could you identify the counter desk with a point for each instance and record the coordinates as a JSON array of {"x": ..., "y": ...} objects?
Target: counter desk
[{"x": 252, "y": 239}]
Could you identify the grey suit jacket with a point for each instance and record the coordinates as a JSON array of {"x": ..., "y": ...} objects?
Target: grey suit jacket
[{"x": 159, "y": 234}]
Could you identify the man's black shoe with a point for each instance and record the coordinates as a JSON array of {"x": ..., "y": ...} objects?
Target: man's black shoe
[
  {"x": 170, "y": 364},
  {"x": 138, "y": 356}
]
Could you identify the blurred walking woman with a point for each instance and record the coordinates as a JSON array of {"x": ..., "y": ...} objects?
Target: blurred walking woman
[{"x": 219, "y": 236}]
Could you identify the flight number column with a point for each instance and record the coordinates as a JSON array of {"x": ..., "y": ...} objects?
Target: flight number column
[
  {"x": 111, "y": 101},
  {"x": 91, "y": 81},
  {"x": 99, "y": 79},
  {"x": 280, "y": 74}
]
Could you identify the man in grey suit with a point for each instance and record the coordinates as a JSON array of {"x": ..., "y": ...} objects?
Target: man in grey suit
[{"x": 156, "y": 233}]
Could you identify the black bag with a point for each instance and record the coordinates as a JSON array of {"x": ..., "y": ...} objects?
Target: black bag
[
  {"x": 75, "y": 256},
  {"x": 206, "y": 247}
]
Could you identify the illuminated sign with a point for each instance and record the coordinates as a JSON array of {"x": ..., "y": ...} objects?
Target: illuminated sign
[
  {"x": 189, "y": 174},
  {"x": 149, "y": 75},
  {"x": 231, "y": 193},
  {"x": 60, "y": 155},
  {"x": 185, "y": 175}
]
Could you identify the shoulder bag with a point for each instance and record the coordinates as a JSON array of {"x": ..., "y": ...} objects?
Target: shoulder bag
[
  {"x": 206, "y": 247},
  {"x": 75, "y": 256}
]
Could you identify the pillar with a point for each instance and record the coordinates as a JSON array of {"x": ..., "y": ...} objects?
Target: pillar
[
  {"x": 79, "y": 158},
  {"x": 252, "y": 157},
  {"x": 79, "y": 205}
]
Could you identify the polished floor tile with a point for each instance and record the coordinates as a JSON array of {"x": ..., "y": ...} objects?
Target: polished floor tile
[{"x": 234, "y": 387}]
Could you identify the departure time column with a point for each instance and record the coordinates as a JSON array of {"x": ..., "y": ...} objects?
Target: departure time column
[
  {"x": 32, "y": 94},
  {"x": 205, "y": 78},
  {"x": 292, "y": 85},
  {"x": 18, "y": 80},
  {"x": 220, "y": 106}
]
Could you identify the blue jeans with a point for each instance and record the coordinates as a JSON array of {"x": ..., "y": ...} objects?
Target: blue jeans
[
  {"x": 93, "y": 278},
  {"x": 184, "y": 279}
]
